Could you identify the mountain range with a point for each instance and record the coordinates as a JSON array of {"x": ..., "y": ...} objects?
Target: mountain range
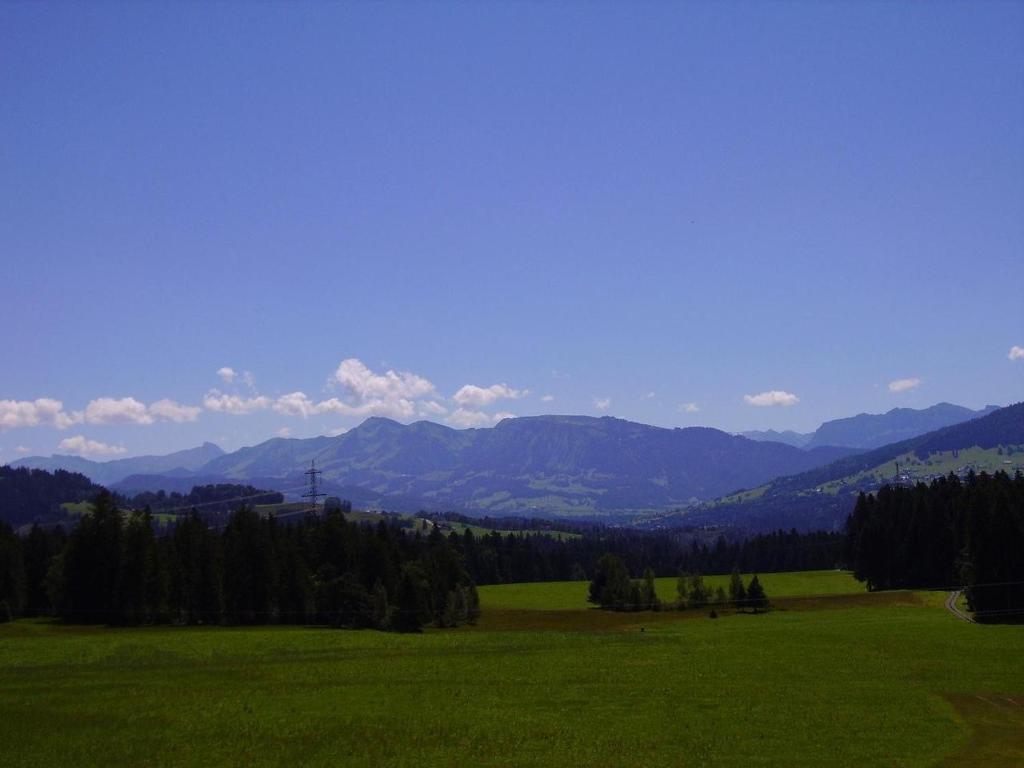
[
  {"x": 540, "y": 465},
  {"x": 537, "y": 466},
  {"x": 873, "y": 430}
]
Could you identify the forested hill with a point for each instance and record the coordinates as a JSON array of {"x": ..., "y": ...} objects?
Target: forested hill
[
  {"x": 33, "y": 495},
  {"x": 823, "y": 496},
  {"x": 541, "y": 465}
]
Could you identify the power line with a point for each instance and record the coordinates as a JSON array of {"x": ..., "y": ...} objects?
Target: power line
[{"x": 314, "y": 478}]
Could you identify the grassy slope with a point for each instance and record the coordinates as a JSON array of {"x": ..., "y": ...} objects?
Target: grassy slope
[
  {"x": 938, "y": 463},
  {"x": 876, "y": 680}
]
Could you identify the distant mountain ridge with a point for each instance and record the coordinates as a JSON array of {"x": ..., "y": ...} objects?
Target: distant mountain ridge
[
  {"x": 538, "y": 465},
  {"x": 868, "y": 430},
  {"x": 873, "y": 430},
  {"x": 530, "y": 465},
  {"x": 787, "y": 436},
  {"x": 110, "y": 472},
  {"x": 534, "y": 466},
  {"x": 822, "y": 497}
]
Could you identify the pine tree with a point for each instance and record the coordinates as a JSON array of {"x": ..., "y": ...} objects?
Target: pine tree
[
  {"x": 12, "y": 574},
  {"x": 699, "y": 594},
  {"x": 648, "y": 597},
  {"x": 611, "y": 587},
  {"x": 682, "y": 590},
  {"x": 90, "y": 568},
  {"x": 737, "y": 592},
  {"x": 756, "y": 597},
  {"x": 412, "y": 600}
]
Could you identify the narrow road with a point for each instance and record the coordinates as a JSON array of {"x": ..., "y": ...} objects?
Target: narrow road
[{"x": 951, "y": 606}]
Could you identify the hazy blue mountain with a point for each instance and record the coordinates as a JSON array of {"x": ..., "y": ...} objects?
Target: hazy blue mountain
[
  {"x": 873, "y": 430},
  {"x": 822, "y": 497},
  {"x": 787, "y": 436},
  {"x": 542, "y": 465},
  {"x": 870, "y": 430},
  {"x": 110, "y": 472}
]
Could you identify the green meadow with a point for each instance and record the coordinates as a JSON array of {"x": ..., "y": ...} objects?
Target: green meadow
[
  {"x": 833, "y": 676},
  {"x": 572, "y": 595}
]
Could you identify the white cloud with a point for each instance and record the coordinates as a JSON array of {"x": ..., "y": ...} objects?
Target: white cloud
[
  {"x": 772, "y": 397},
  {"x": 82, "y": 446},
  {"x": 227, "y": 374},
  {"x": 396, "y": 395},
  {"x": 102, "y": 410},
  {"x": 902, "y": 385},
  {"x": 688, "y": 408},
  {"x": 365, "y": 385},
  {"x": 284, "y": 432},
  {"x": 602, "y": 403},
  {"x": 548, "y": 399},
  {"x": 432, "y": 408},
  {"x": 217, "y": 401},
  {"x": 249, "y": 380},
  {"x": 398, "y": 408},
  {"x": 337, "y": 431},
  {"x": 647, "y": 396},
  {"x": 472, "y": 396},
  {"x": 296, "y": 404},
  {"x": 44, "y": 411},
  {"x": 128, "y": 410},
  {"x": 465, "y": 417},
  {"x": 169, "y": 410},
  {"x": 107, "y": 410},
  {"x": 23, "y": 449},
  {"x": 1016, "y": 353}
]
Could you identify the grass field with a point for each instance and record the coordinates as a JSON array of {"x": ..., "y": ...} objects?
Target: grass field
[
  {"x": 838, "y": 677},
  {"x": 572, "y": 595}
]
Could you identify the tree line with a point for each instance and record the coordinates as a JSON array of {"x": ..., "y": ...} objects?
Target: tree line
[
  {"x": 951, "y": 532},
  {"x": 613, "y": 589},
  {"x": 216, "y": 501},
  {"x": 116, "y": 566},
  {"x": 496, "y": 558},
  {"x": 113, "y": 568}
]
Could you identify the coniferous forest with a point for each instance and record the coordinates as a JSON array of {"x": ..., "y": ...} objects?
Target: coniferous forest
[
  {"x": 113, "y": 568},
  {"x": 950, "y": 533},
  {"x": 119, "y": 567}
]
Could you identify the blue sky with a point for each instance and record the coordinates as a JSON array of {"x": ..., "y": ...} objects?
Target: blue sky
[{"x": 662, "y": 212}]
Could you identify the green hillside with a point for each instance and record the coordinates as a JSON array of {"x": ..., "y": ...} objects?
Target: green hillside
[{"x": 822, "y": 497}]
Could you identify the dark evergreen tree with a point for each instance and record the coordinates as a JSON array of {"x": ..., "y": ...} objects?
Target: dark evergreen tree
[
  {"x": 250, "y": 568},
  {"x": 648, "y": 597},
  {"x": 12, "y": 574},
  {"x": 90, "y": 569},
  {"x": 756, "y": 597},
  {"x": 699, "y": 593},
  {"x": 737, "y": 592},
  {"x": 142, "y": 582},
  {"x": 40, "y": 547},
  {"x": 413, "y": 600},
  {"x": 610, "y": 587}
]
